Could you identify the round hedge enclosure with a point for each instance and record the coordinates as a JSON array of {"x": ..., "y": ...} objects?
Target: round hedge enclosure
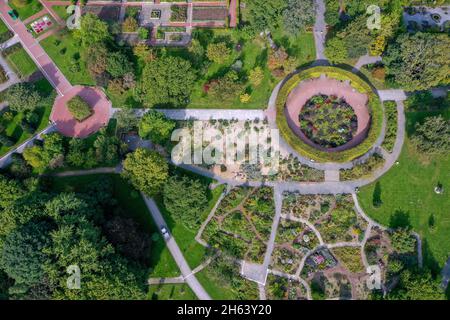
[{"x": 373, "y": 105}]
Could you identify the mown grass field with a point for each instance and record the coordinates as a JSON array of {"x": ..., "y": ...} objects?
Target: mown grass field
[
  {"x": 408, "y": 197},
  {"x": 21, "y": 62}
]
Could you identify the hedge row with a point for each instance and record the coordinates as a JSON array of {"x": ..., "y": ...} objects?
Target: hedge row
[{"x": 306, "y": 150}]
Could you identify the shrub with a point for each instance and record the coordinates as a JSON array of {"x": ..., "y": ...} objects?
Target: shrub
[
  {"x": 79, "y": 108},
  {"x": 218, "y": 52},
  {"x": 130, "y": 25}
]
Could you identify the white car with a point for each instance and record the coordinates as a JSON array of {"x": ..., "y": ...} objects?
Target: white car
[{"x": 165, "y": 233}]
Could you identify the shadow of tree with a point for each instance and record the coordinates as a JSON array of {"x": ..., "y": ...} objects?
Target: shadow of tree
[
  {"x": 400, "y": 219},
  {"x": 376, "y": 196},
  {"x": 429, "y": 261}
]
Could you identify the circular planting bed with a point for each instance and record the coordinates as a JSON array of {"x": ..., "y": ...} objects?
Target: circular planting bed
[
  {"x": 328, "y": 121},
  {"x": 328, "y": 114}
]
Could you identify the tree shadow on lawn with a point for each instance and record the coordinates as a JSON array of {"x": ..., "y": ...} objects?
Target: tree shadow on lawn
[
  {"x": 429, "y": 261},
  {"x": 400, "y": 219}
]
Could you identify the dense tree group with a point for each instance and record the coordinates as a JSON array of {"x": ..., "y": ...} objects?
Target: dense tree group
[{"x": 43, "y": 233}]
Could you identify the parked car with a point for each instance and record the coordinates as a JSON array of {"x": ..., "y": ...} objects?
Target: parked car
[
  {"x": 12, "y": 14},
  {"x": 165, "y": 233}
]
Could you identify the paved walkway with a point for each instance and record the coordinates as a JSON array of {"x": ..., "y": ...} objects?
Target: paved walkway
[
  {"x": 206, "y": 114},
  {"x": 68, "y": 125},
  {"x": 392, "y": 95},
  {"x": 365, "y": 60},
  {"x": 186, "y": 271},
  {"x": 39, "y": 56},
  {"x": 7, "y": 158},
  {"x": 320, "y": 30}
]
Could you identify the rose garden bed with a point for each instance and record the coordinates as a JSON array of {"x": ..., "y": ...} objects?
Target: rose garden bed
[{"x": 328, "y": 121}]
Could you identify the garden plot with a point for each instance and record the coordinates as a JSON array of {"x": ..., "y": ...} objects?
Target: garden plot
[
  {"x": 294, "y": 240},
  {"x": 333, "y": 216},
  {"x": 280, "y": 288},
  {"x": 109, "y": 14},
  {"x": 289, "y": 168},
  {"x": 209, "y": 13},
  {"x": 242, "y": 223}
]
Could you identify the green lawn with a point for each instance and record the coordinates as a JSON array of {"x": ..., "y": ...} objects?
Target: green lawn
[
  {"x": 63, "y": 50},
  {"x": 33, "y": 6},
  {"x": 221, "y": 289},
  {"x": 12, "y": 128},
  {"x": 161, "y": 261},
  {"x": 171, "y": 292},
  {"x": 21, "y": 62},
  {"x": 61, "y": 11},
  {"x": 407, "y": 193},
  {"x": 3, "y": 27},
  {"x": 192, "y": 250}
]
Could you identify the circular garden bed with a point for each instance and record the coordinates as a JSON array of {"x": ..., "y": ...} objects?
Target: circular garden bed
[
  {"x": 328, "y": 121},
  {"x": 328, "y": 114}
]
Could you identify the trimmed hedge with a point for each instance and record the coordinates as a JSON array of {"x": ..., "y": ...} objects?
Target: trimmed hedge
[
  {"x": 306, "y": 150},
  {"x": 79, "y": 108}
]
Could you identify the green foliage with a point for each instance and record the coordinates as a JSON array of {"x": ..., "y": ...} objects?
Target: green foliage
[
  {"x": 185, "y": 199},
  {"x": 48, "y": 155},
  {"x": 166, "y": 81},
  {"x": 256, "y": 76},
  {"x": 79, "y": 108},
  {"x": 433, "y": 136},
  {"x": 363, "y": 170},
  {"x": 265, "y": 15},
  {"x": 10, "y": 191},
  {"x": 156, "y": 127},
  {"x": 419, "y": 61},
  {"x": 218, "y": 52},
  {"x": 92, "y": 30},
  {"x": 390, "y": 110},
  {"x": 22, "y": 255},
  {"x": 118, "y": 64},
  {"x": 402, "y": 241},
  {"x": 126, "y": 119},
  {"x": 417, "y": 286},
  {"x": 335, "y": 51},
  {"x": 226, "y": 88},
  {"x": 23, "y": 97},
  {"x": 298, "y": 15},
  {"x": 146, "y": 170}
]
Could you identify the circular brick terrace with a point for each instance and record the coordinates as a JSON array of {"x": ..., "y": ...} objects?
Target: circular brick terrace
[
  {"x": 326, "y": 86},
  {"x": 68, "y": 125}
]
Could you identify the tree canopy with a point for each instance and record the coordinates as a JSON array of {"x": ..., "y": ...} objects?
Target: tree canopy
[
  {"x": 166, "y": 81},
  {"x": 419, "y": 61},
  {"x": 155, "y": 126},
  {"x": 146, "y": 170}
]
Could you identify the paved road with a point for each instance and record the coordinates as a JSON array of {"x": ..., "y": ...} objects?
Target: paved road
[
  {"x": 186, "y": 271},
  {"x": 392, "y": 95},
  {"x": 34, "y": 49},
  {"x": 364, "y": 60},
  {"x": 320, "y": 30},
  {"x": 206, "y": 114}
]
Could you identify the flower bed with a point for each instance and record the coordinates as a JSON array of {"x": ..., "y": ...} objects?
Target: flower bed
[
  {"x": 328, "y": 121},
  {"x": 303, "y": 148},
  {"x": 209, "y": 14}
]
